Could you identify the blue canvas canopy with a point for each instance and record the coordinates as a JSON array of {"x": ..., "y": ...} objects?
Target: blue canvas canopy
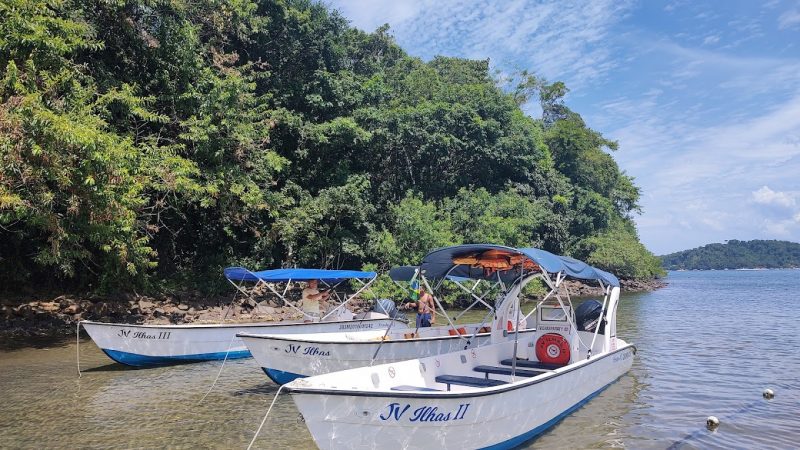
[
  {"x": 284, "y": 275},
  {"x": 439, "y": 263}
]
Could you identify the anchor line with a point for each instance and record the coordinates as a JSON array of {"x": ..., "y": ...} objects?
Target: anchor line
[
  {"x": 475, "y": 334},
  {"x": 677, "y": 444},
  {"x": 78, "y": 347},
  {"x": 377, "y": 350},
  {"x": 230, "y": 344},
  {"x": 264, "y": 420}
]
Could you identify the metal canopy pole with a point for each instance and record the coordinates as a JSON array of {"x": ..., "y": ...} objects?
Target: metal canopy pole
[
  {"x": 478, "y": 328},
  {"x": 287, "y": 302},
  {"x": 332, "y": 288},
  {"x": 364, "y": 286},
  {"x": 516, "y": 330},
  {"x": 607, "y": 291},
  {"x": 243, "y": 291},
  {"x": 559, "y": 280},
  {"x": 477, "y": 298},
  {"x": 439, "y": 304}
]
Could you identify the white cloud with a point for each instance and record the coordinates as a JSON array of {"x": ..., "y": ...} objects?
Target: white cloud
[
  {"x": 719, "y": 181},
  {"x": 713, "y": 39},
  {"x": 370, "y": 14},
  {"x": 784, "y": 229},
  {"x": 567, "y": 41},
  {"x": 789, "y": 19},
  {"x": 767, "y": 196}
]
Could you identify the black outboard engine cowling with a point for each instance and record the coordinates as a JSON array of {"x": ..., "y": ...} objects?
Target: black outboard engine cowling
[
  {"x": 587, "y": 316},
  {"x": 387, "y": 306}
]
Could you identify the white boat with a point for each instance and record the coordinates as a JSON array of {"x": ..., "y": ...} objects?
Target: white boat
[
  {"x": 153, "y": 345},
  {"x": 494, "y": 396},
  {"x": 287, "y": 357}
]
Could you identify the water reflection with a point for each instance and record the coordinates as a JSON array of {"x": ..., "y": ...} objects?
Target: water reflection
[{"x": 707, "y": 345}]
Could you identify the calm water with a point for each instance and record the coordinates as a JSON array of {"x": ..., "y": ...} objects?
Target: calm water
[{"x": 708, "y": 345}]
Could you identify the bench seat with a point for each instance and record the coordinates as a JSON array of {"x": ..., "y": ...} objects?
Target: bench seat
[
  {"x": 527, "y": 364},
  {"x": 520, "y": 372},
  {"x": 467, "y": 381}
]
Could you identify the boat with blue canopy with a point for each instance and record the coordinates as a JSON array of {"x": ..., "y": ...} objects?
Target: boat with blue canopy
[
  {"x": 285, "y": 357},
  {"x": 143, "y": 345},
  {"x": 498, "y": 395}
]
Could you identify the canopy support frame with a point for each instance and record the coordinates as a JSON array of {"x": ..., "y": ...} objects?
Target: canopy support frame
[
  {"x": 439, "y": 304},
  {"x": 341, "y": 305}
]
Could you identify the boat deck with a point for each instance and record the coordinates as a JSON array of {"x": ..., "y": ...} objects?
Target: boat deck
[{"x": 524, "y": 369}]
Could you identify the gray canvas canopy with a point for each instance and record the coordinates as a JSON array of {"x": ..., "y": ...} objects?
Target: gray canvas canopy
[{"x": 453, "y": 262}]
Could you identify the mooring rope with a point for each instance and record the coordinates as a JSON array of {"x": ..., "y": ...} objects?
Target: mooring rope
[
  {"x": 220, "y": 370},
  {"x": 698, "y": 433},
  {"x": 78, "y": 347},
  {"x": 383, "y": 338},
  {"x": 264, "y": 420}
]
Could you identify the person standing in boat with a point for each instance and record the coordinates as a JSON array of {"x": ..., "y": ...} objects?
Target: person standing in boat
[
  {"x": 426, "y": 311},
  {"x": 313, "y": 299}
]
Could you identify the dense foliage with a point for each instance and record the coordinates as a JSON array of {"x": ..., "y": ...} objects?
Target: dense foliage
[
  {"x": 148, "y": 142},
  {"x": 736, "y": 255}
]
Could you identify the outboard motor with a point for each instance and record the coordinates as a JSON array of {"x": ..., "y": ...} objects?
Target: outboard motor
[
  {"x": 587, "y": 316},
  {"x": 387, "y": 306}
]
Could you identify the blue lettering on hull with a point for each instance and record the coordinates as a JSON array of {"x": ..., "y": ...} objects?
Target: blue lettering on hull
[{"x": 423, "y": 414}]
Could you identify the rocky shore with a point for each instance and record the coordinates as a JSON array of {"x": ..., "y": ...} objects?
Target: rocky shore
[
  {"x": 54, "y": 317},
  {"x": 59, "y": 316},
  {"x": 578, "y": 289}
]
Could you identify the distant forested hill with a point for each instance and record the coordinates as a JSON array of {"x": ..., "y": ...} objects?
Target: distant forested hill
[{"x": 736, "y": 255}]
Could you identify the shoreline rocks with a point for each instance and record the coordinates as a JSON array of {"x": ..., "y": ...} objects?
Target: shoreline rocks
[
  {"x": 580, "y": 289},
  {"x": 57, "y": 317}
]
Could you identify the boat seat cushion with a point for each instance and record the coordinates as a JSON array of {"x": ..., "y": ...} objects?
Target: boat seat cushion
[
  {"x": 413, "y": 388},
  {"x": 495, "y": 370},
  {"x": 530, "y": 364},
  {"x": 467, "y": 381}
]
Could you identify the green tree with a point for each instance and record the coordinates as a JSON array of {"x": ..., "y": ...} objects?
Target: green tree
[
  {"x": 415, "y": 228},
  {"x": 152, "y": 143},
  {"x": 506, "y": 218},
  {"x": 619, "y": 251}
]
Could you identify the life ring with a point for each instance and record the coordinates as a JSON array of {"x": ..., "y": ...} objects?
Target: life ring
[{"x": 552, "y": 348}]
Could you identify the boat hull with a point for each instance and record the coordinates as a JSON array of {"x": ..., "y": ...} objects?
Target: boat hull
[
  {"x": 286, "y": 358},
  {"x": 496, "y": 418},
  {"x": 158, "y": 345}
]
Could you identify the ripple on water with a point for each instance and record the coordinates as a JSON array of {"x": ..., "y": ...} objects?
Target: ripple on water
[{"x": 707, "y": 345}]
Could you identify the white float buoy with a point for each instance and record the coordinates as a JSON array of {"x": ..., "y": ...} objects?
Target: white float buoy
[
  {"x": 768, "y": 394},
  {"x": 712, "y": 423}
]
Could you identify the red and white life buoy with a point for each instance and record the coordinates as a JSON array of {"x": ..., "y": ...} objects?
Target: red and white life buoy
[{"x": 552, "y": 348}]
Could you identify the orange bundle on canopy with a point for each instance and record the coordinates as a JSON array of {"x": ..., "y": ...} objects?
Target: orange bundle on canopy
[{"x": 496, "y": 260}]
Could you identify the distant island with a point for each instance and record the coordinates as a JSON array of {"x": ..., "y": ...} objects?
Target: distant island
[{"x": 756, "y": 254}]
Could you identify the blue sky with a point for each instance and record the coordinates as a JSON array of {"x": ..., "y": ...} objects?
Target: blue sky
[{"x": 703, "y": 97}]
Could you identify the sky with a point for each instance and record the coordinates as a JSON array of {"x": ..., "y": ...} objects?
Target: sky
[{"x": 703, "y": 96}]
